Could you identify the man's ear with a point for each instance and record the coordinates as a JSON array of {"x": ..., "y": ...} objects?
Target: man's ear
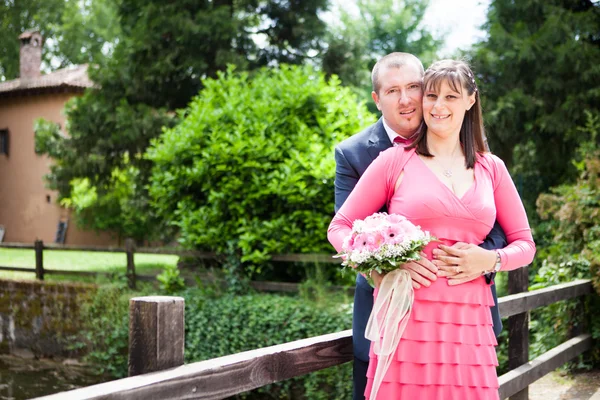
[{"x": 375, "y": 99}]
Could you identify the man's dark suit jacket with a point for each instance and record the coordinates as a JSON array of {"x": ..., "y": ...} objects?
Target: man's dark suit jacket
[{"x": 352, "y": 157}]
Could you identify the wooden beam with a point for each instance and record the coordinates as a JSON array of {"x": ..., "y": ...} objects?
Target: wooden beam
[
  {"x": 309, "y": 258},
  {"x": 205, "y": 255},
  {"x": 156, "y": 333},
  {"x": 312, "y": 258},
  {"x": 130, "y": 252},
  {"x": 516, "y": 380},
  {"x": 9, "y": 245},
  {"x": 19, "y": 269},
  {"x": 521, "y": 302},
  {"x": 266, "y": 286},
  {"x": 39, "y": 260},
  {"x": 518, "y": 328},
  {"x": 226, "y": 376},
  {"x": 70, "y": 272}
]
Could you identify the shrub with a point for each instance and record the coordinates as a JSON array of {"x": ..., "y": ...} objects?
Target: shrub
[
  {"x": 171, "y": 280},
  {"x": 250, "y": 168},
  {"x": 231, "y": 324},
  {"x": 570, "y": 249},
  {"x": 217, "y": 325},
  {"x": 106, "y": 330}
]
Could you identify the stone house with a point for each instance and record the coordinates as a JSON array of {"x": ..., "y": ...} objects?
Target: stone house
[{"x": 28, "y": 209}]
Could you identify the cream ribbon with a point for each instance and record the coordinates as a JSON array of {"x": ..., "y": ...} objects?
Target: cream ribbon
[{"x": 388, "y": 320}]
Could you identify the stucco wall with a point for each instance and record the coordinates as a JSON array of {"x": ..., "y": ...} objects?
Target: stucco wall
[{"x": 25, "y": 211}]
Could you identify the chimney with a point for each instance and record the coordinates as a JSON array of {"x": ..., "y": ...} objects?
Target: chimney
[{"x": 31, "y": 54}]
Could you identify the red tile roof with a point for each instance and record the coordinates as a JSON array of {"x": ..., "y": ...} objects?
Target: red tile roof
[{"x": 70, "y": 79}]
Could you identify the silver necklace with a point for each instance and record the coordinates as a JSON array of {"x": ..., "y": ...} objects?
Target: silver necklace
[{"x": 447, "y": 172}]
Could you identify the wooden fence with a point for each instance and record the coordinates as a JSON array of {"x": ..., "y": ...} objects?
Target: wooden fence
[
  {"x": 156, "y": 342},
  {"x": 130, "y": 250}
]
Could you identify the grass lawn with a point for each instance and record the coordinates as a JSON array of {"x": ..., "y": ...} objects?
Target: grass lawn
[{"x": 145, "y": 264}]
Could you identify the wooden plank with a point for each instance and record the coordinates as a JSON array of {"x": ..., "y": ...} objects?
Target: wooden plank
[
  {"x": 130, "y": 250},
  {"x": 514, "y": 381},
  {"x": 156, "y": 333},
  {"x": 64, "y": 247},
  {"x": 76, "y": 273},
  {"x": 18, "y": 269},
  {"x": 518, "y": 303},
  {"x": 518, "y": 328},
  {"x": 222, "y": 377},
  {"x": 9, "y": 245},
  {"x": 39, "y": 260},
  {"x": 266, "y": 286},
  {"x": 311, "y": 258},
  {"x": 148, "y": 278},
  {"x": 205, "y": 255}
]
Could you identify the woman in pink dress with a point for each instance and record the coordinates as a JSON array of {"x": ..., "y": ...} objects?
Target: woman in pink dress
[{"x": 450, "y": 185}]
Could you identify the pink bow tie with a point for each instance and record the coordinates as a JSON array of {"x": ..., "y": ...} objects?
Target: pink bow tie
[{"x": 402, "y": 141}]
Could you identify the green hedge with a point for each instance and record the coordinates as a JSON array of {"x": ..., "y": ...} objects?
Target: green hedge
[
  {"x": 231, "y": 324},
  {"x": 249, "y": 171},
  {"x": 227, "y": 324}
]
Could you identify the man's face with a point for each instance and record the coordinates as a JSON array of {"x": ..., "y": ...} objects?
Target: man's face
[{"x": 400, "y": 98}]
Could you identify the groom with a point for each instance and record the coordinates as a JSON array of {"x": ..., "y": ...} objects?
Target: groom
[{"x": 397, "y": 82}]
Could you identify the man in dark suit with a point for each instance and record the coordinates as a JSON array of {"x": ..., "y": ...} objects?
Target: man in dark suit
[{"x": 398, "y": 93}]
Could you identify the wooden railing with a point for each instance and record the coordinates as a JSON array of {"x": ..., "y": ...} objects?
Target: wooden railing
[
  {"x": 130, "y": 250},
  {"x": 226, "y": 376}
]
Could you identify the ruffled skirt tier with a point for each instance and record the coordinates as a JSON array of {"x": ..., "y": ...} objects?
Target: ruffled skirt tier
[{"x": 448, "y": 348}]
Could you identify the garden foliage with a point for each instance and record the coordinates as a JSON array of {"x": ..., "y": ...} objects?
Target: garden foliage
[
  {"x": 231, "y": 324},
  {"x": 217, "y": 325},
  {"x": 162, "y": 52},
  {"x": 250, "y": 168},
  {"x": 569, "y": 247},
  {"x": 539, "y": 68}
]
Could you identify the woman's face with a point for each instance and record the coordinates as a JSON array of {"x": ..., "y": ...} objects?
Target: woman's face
[{"x": 445, "y": 110}]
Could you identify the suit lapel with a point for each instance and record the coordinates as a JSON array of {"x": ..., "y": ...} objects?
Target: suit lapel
[{"x": 378, "y": 140}]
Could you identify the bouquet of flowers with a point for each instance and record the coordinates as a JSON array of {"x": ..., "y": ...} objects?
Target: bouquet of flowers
[{"x": 383, "y": 242}]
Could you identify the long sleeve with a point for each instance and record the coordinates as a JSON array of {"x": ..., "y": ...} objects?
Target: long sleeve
[
  {"x": 371, "y": 192},
  {"x": 346, "y": 178},
  {"x": 511, "y": 216}
]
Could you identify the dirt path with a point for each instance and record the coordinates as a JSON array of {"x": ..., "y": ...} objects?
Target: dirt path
[{"x": 554, "y": 386}]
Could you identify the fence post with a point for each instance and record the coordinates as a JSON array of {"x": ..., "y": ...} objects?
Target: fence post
[
  {"x": 130, "y": 249},
  {"x": 156, "y": 333},
  {"x": 518, "y": 328},
  {"x": 39, "y": 259}
]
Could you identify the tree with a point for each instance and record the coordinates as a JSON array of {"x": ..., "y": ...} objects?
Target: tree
[
  {"x": 250, "y": 167},
  {"x": 75, "y": 32},
  {"x": 378, "y": 28},
  {"x": 165, "y": 49},
  {"x": 569, "y": 243},
  {"x": 538, "y": 71}
]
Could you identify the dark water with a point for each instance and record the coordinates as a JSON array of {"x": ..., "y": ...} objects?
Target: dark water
[{"x": 22, "y": 379}]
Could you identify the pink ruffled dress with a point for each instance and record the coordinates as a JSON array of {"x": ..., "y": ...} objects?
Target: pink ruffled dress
[{"x": 448, "y": 348}]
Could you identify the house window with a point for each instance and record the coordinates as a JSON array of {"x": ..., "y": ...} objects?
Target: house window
[{"x": 4, "y": 141}]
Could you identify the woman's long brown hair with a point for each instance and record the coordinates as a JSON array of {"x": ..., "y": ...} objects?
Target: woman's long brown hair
[{"x": 459, "y": 77}]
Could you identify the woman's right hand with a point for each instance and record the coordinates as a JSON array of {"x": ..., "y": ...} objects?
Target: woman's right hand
[{"x": 422, "y": 272}]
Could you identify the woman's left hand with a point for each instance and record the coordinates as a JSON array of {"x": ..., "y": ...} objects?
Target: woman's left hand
[{"x": 463, "y": 262}]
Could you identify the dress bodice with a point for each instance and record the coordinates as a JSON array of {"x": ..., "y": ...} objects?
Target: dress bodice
[
  {"x": 424, "y": 200},
  {"x": 427, "y": 202}
]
